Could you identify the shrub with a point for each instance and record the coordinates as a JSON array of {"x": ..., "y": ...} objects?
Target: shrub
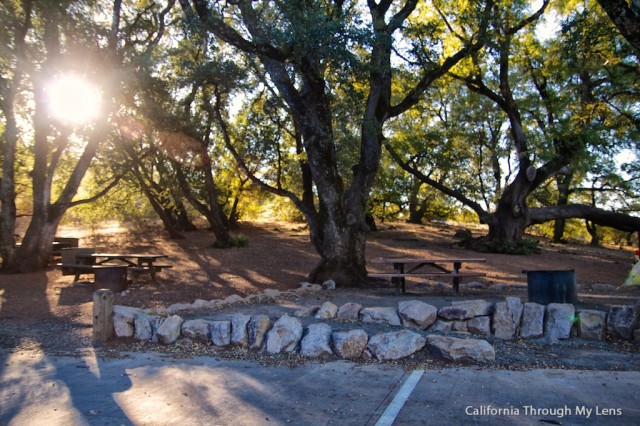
[
  {"x": 234, "y": 241},
  {"x": 524, "y": 247}
]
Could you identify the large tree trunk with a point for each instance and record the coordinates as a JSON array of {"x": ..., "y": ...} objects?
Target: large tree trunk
[
  {"x": 342, "y": 253},
  {"x": 34, "y": 253},
  {"x": 510, "y": 219}
]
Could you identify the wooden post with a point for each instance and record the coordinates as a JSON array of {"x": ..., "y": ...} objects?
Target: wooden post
[{"x": 102, "y": 315}]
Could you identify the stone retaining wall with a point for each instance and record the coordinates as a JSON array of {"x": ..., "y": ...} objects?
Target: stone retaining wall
[{"x": 415, "y": 325}]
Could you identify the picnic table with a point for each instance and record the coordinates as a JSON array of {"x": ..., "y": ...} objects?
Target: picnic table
[
  {"x": 402, "y": 270},
  {"x": 136, "y": 263},
  {"x": 85, "y": 261}
]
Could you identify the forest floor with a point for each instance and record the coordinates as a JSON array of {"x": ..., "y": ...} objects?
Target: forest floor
[{"x": 48, "y": 311}]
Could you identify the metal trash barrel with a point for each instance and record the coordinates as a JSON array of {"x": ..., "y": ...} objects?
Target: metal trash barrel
[
  {"x": 112, "y": 277},
  {"x": 547, "y": 286}
]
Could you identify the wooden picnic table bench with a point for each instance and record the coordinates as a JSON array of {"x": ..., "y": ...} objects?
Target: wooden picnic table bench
[
  {"x": 86, "y": 261},
  {"x": 137, "y": 263},
  {"x": 398, "y": 277}
]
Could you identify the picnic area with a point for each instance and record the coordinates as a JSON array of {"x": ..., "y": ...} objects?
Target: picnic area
[{"x": 39, "y": 303}]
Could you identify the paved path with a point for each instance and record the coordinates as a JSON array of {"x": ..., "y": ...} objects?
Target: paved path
[{"x": 152, "y": 389}]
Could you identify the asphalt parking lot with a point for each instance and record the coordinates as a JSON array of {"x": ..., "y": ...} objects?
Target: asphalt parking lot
[{"x": 155, "y": 389}]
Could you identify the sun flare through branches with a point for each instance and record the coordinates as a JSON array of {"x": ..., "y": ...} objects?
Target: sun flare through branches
[{"x": 73, "y": 100}]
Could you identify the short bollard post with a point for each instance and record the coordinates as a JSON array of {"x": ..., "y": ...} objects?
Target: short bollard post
[{"x": 102, "y": 315}]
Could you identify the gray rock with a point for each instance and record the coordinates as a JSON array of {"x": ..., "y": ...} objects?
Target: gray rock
[
  {"x": 417, "y": 314},
  {"x": 506, "y": 318},
  {"x": 122, "y": 327},
  {"x": 143, "y": 328},
  {"x": 329, "y": 285},
  {"x": 197, "y": 329},
  {"x": 459, "y": 326},
  {"x": 177, "y": 307},
  {"x": 474, "y": 285},
  {"x": 591, "y": 324},
  {"x": 466, "y": 309},
  {"x": 239, "y": 335},
  {"x": 284, "y": 336},
  {"x": 440, "y": 286},
  {"x": 455, "y": 349},
  {"x": 316, "y": 342},
  {"x": 383, "y": 315},
  {"x": 127, "y": 313},
  {"x": 498, "y": 287},
  {"x": 199, "y": 304},
  {"x": 327, "y": 311},
  {"x": 234, "y": 298},
  {"x": 257, "y": 330},
  {"x": 349, "y": 344},
  {"x": 560, "y": 317},
  {"x": 604, "y": 288},
  {"x": 395, "y": 345},
  {"x": 220, "y": 333},
  {"x": 441, "y": 326},
  {"x": 310, "y": 287},
  {"x": 272, "y": 292},
  {"x": 307, "y": 311},
  {"x": 532, "y": 324},
  {"x": 622, "y": 321},
  {"x": 349, "y": 311},
  {"x": 169, "y": 331},
  {"x": 451, "y": 313},
  {"x": 474, "y": 308},
  {"x": 123, "y": 320},
  {"x": 479, "y": 325}
]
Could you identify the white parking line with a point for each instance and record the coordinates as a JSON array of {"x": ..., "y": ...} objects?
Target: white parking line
[{"x": 392, "y": 411}]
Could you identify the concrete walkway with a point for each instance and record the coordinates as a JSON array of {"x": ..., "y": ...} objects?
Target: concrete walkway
[{"x": 152, "y": 389}]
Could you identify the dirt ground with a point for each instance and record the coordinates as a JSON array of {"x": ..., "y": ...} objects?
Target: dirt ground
[{"x": 48, "y": 311}]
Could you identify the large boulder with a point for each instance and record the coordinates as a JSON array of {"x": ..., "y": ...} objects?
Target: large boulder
[
  {"x": 622, "y": 321},
  {"x": 532, "y": 324},
  {"x": 349, "y": 344},
  {"x": 316, "y": 342},
  {"x": 349, "y": 311},
  {"x": 327, "y": 311},
  {"x": 384, "y": 315},
  {"x": 197, "y": 329},
  {"x": 417, "y": 314},
  {"x": 560, "y": 318},
  {"x": 395, "y": 345},
  {"x": 169, "y": 331},
  {"x": 284, "y": 336},
  {"x": 591, "y": 324},
  {"x": 220, "y": 333},
  {"x": 257, "y": 329},
  {"x": 455, "y": 349},
  {"x": 506, "y": 318},
  {"x": 239, "y": 335}
]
